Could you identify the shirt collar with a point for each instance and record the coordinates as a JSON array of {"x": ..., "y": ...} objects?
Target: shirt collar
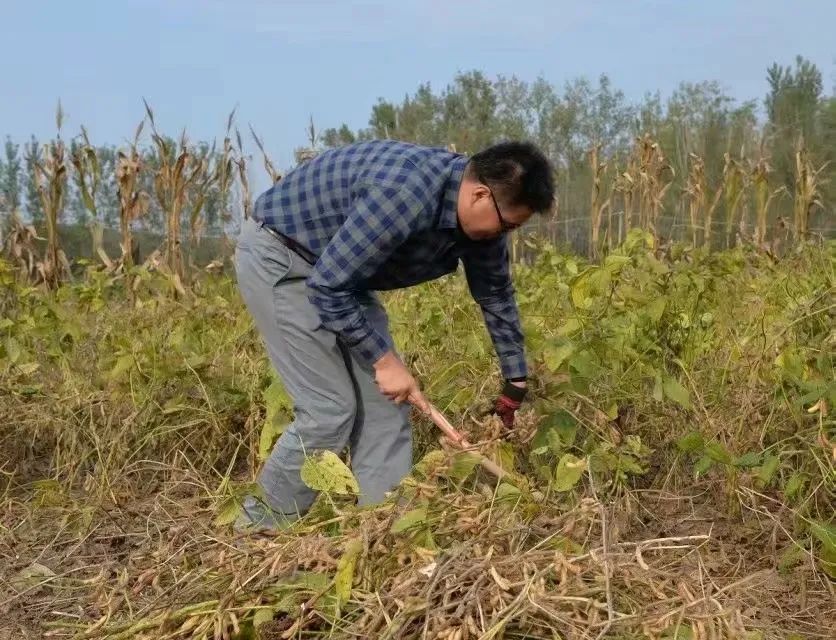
[{"x": 450, "y": 203}]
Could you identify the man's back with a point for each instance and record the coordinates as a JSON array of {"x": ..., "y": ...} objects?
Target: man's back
[{"x": 311, "y": 203}]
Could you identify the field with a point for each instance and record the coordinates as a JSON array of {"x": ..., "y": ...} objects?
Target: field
[{"x": 672, "y": 475}]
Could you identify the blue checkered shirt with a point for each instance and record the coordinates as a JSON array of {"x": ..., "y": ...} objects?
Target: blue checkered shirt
[{"x": 382, "y": 215}]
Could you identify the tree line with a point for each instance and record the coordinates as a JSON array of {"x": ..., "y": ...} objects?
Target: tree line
[{"x": 707, "y": 158}]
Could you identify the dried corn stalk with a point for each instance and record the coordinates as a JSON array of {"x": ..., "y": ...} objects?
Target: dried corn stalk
[
  {"x": 597, "y": 204},
  {"x": 50, "y": 175},
  {"x": 133, "y": 202},
  {"x": 763, "y": 197},
  {"x": 696, "y": 191},
  {"x": 655, "y": 177},
  {"x": 275, "y": 176},
  {"x": 241, "y": 163},
  {"x": 735, "y": 181},
  {"x": 178, "y": 170},
  {"x": 807, "y": 190},
  {"x": 224, "y": 172}
]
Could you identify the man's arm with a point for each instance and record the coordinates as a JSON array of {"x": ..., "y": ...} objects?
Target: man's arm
[
  {"x": 488, "y": 275},
  {"x": 382, "y": 219}
]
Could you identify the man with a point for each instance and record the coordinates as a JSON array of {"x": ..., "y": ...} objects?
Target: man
[{"x": 374, "y": 216}]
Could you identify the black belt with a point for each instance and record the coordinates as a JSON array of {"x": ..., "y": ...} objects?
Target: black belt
[{"x": 290, "y": 243}]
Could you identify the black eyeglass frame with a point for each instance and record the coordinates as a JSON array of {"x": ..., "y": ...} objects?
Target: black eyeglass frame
[{"x": 504, "y": 225}]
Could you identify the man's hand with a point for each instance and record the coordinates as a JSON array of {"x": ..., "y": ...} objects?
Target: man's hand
[
  {"x": 396, "y": 382},
  {"x": 509, "y": 401}
]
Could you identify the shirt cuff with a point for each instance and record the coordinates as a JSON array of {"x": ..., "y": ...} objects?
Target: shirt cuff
[
  {"x": 514, "y": 367},
  {"x": 370, "y": 349}
]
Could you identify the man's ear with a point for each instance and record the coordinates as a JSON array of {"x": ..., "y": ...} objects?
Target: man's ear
[{"x": 478, "y": 192}]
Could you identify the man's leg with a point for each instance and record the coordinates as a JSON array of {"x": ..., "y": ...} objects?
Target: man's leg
[
  {"x": 381, "y": 442},
  {"x": 308, "y": 359}
]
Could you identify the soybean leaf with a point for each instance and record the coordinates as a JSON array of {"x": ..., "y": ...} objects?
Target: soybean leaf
[{"x": 325, "y": 471}]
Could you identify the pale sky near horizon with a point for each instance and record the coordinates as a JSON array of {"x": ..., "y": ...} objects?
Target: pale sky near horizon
[{"x": 282, "y": 61}]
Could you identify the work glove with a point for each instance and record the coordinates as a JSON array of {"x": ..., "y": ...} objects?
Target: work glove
[{"x": 508, "y": 402}]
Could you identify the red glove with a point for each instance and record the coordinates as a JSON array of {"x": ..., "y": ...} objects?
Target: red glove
[{"x": 508, "y": 402}]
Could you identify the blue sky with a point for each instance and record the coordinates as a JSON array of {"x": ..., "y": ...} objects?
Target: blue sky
[{"x": 282, "y": 61}]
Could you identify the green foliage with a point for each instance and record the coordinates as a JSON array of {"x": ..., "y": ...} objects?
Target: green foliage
[
  {"x": 279, "y": 409},
  {"x": 825, "y": 535},
  {"x": 638, "y": 363},
  {"x": 324, "y": 471},
  {"x": 568, "y": 472}
]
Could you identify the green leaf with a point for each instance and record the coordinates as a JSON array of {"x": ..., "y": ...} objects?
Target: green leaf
[
  {"x": 228, "y": 511},
  {"x": 568, "y": 472},
  {"x": 825, "y": 533},
  {"x": 584, "y": 363},
  {"x": 555, "y": 433},
  {"x": 463, "y": 465},
  {"x": 13, "y": 350},
  {"x": 581, "y": 289},
  {"x": 718, "y": 452},
  {"x": 263, "y": 615},
  {"x": 270, "y": 431},
  {"x": 691, "y": 442},
  {"x": 311, "y": 580},
  {"x": 344, "y": 577},
  {"x": 658, "y": 394},
  {"x": 676, "y": 392},
  {"x": 123, "y": 364},
  {"x": 794, "y": 485},
  {"x": 767, "y": 470},
  {"x": 555, "y": 354},
  {"x": 507, "y": 493},
  {"x": 791, "y": 556},
  {"x": 324, "y": 471},
  {"x": 748, "y": 459},
  {"x": 431, "y": 461},
  {"x": 410, "y": 520},
  {"x": 614, "y": 263},
  {"x": 702, "y": 465},
  {"x": 505, "y": 456},
  {"x": 656, "y": 308},
  {"x": 572, "y": 325},
  {"x": 277, "y": 403},
  {"x": 31, "y": 576},
  {"x": 790, "y": 363}
]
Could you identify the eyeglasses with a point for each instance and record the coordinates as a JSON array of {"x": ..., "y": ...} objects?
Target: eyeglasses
[{"x": 503, "y": 224}]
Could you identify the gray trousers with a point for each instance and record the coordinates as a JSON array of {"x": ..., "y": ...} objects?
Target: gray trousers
[{"x": 335, "y": 399}]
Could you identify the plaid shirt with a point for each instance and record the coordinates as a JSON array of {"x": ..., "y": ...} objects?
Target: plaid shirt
[{"x": 382, "y": 215}]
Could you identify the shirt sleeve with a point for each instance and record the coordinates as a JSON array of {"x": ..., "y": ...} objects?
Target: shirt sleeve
[
  {"x": 382, "y": 218},
  {"x": 488, "y": 274}
]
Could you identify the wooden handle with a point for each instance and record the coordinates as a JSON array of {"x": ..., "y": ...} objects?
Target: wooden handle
[{"x": 461, "y": 442}]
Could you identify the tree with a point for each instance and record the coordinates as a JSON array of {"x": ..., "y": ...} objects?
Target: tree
[
  {"x": 827, "y": 126},
  {"x": 792, "y": 105},
  {"x": 418, "y": 118},
  {"x": 514, "y": 117},
  {"x": 31, "y": 156},
  {"x": 384, "y": 119},
  {"x": 10, "y": 176},
  {"x": 337, "y": 137},
  {"x": 468, "y": 112}
]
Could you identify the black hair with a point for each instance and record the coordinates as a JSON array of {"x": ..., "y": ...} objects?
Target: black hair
[{"x": 518, "y": 173}]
